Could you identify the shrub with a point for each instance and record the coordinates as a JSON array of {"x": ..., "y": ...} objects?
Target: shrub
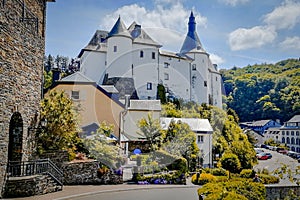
[
  {"x": 247, "y": 173},
  {"x": 217, "y": 171},
  {"x": 230, "y": 162},
  {"x": 243, "y": 189},
  {"x": 206, "y": 178},
  {"x": 268, "y": 179}
]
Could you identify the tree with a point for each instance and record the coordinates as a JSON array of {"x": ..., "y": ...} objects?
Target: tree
[
  {"x": 61, "y": 131},
  {"x": 150, "y": 128},
  {"x": 101, "y": 147},
  {"x": 180, "y": 140},
  {"x": 230, "y": 162}
]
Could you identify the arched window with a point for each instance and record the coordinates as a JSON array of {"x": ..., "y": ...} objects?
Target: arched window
[
  {"x": 288, "y": 140},
  {"x": 297, "y": 141},
  {"x": 283, "y": 140},
  {"x": 293, "y": 148},
  {"x": 15, "y": 137},
  {"x": 293, "y": 140}
]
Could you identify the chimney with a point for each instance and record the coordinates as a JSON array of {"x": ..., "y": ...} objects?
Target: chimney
[{"x": 127, "y": 101}]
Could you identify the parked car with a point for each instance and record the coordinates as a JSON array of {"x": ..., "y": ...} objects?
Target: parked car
[
  {"x": 258, "y": 150},
  {"x": 282, "y": 150},
  {"x": 269, "y": 155},
  {"x": 262, "y": 156},
  {"x": 264, "y": 146}
]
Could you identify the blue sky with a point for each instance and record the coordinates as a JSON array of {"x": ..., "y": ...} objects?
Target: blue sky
[{"x": 233, "y": 32}]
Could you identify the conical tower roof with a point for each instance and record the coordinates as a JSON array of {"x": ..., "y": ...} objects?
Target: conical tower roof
[
  {"x": 119, "y": 29},
  {"x": 192, "y": 41}
]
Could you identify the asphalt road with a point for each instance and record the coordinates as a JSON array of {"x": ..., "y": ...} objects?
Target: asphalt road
[
  {"x": 147, "y": 194},
  {"x": 276, "y": 162}
]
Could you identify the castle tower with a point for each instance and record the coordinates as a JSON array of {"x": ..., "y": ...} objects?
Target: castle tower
[{"x": 119, "y": 48}]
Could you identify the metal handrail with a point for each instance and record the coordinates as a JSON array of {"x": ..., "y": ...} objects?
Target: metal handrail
[{"x": 29, "y": 168}]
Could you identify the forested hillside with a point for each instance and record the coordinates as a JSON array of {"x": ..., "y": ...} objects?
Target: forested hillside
[{"x": 266, "y": 91}]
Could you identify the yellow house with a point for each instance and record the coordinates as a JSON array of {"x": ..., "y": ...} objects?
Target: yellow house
[{"x": 96, "y": 103}]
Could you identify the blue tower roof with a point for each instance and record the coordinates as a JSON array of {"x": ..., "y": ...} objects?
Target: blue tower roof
[
  {"x": 119, "y": 29},
  {"x": 192, "y": 41}
]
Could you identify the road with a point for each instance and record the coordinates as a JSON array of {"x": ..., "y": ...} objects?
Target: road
[
  {"x": 146, "y": 194},
  {"x": 276, "y": 162}
]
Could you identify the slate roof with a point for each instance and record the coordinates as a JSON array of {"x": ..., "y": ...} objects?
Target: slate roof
[
  {"x": 140, "y": 36},
  {"x": 192, "y": 41},
  {"x": 196, "y": 125},
  {"x": 294, "y": 119},
  {"x": 256, "y": 123},
  {"x": 119, "y": 29},
  {"x": 77, "y": 77}
]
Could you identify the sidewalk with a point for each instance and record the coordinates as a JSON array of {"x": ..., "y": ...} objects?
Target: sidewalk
[{"x": 80, "y": 190}]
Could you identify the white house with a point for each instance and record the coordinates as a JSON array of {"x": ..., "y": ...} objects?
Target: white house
[
  {"x": 203, "y": 131},
  {"x": 132, "y": 53}
]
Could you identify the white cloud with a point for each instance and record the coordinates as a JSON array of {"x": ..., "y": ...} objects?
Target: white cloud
[
  {"x": 291, "y": 43},
  {"x": 167, "y": 22},
  {"x": 287, "y": 15},
  {"x": 234, "y": 2},
  {"x": 215, "y": 59},
  {"x": 243, "y": 38}
]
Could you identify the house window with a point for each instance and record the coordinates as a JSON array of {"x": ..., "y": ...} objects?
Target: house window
[
  {"x": 194, "y": 67},
  {"x": 216, "y": 78},
  {"x": 200, "y": 138},
  {"x": 292, "y": 133},
  {"x": 297, "y": 133},
  {"x": 283, "y": 133},
  {"x": 287, "y": 133},
  {"x": 115, "y": 48},
  {"x": 205, "y": 83},
  {"x": 75, "y": 95},
  {"x": 149, "y": 86},
  {"x": 166, "y": 65},
  {"x": 283, "y": 140},
  {"x": 166, "y": 76},
  {"x": 153, "y": 55},
  {"x": 141, "y": 54},
  {"x": 288, "y": 140},
  {"x": 293, "y": 140}
]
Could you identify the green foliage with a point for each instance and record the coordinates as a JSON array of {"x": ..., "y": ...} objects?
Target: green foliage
[
  {"x": 268, "y": 179},
  {"x": 243, "y": 189},
  {"x": 150, "y": 128},
  {"x": 230, "y": 162},
  {"x": 216, "y": 171},
  {"x": 203, "y": 178},
  {"x": 61, "y": 131},
  {"x": 161, "y": 93},
  {"x": 170, "y": 110},
  {"x": 272, "y": 91},
  {"x": 247, "y": 173},
  {"x": 173, "y": 177},
  {"x": 47, "y": 79},
  {"x": 180, "y": 140},
  {"x": 101, "y": 148}
]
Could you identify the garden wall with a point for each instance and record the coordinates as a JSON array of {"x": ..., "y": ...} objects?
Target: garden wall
[
  {"x": 277, "y": 192},
  {"x": 86, "y": 172}
]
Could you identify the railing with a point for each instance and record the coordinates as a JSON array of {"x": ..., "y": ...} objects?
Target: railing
[{"x": 29, "y": 168}]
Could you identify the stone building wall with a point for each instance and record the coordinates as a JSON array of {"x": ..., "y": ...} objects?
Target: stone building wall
[
  {"x": 85, "y": 172},
  {"x": 22, "y": 44}
]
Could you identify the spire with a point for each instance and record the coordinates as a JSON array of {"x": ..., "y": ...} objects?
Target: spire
[
  {"x": 192, "y": 41},
  {"x": 119, "y": 29}
]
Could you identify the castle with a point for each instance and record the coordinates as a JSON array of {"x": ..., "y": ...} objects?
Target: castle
[{"x": 131, "y": 54}]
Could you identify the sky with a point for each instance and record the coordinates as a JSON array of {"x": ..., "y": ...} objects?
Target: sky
[{"x": 234, "y": 32}]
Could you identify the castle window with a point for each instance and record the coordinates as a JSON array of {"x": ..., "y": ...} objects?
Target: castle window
[
  {"x": 153, "y": 55},
  {"x": 166, "y": 65},
  {"x": 205, "y": 83},
  {"x": 166, "y": 76},
  {"x": 141, "y": 54},
  {"x": 216, "y": 78},
  {"x": 194, "y": 67},
  {"x": 75, "y": 95},
  {"x": 115, "y": 48},
  {"x": 200, "y": 139},
  {"x": 149, "y": 86}
]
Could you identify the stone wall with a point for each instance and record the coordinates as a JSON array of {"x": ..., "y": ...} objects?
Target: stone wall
[
  {"x": 22, "y": 44},
  {"x": 277, "y": 192},
  {"x": 30, "y": 186},
  {"x": 85, "y": 172}
]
